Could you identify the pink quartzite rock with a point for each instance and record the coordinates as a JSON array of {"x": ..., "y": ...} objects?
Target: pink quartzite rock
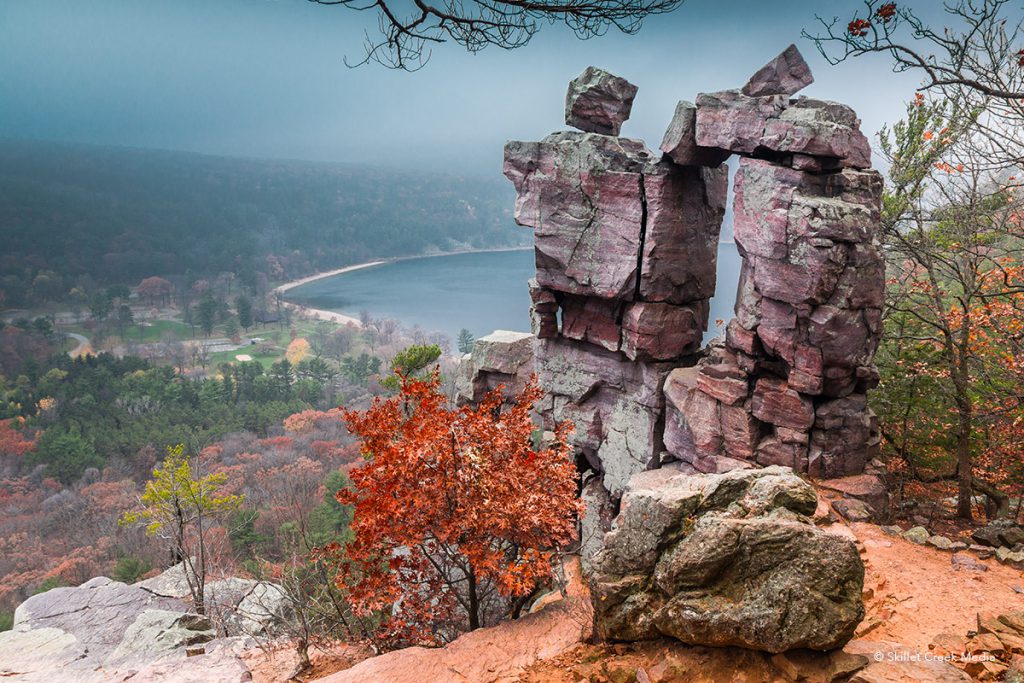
[
  {"x": 543, "y": 311},
  {"x": 774, "y": 451},
  {"x": 732, "y": 122},
  {"x": 778, "y": 329},
  {"x": 591, "y": 320},
  {"x": 865, "y": 487},
  {"x": 845, "y": 437},
  {"x": 615, "y": 404},
  {"x": 580, "y": 193},
  {"x": 500, "y": 358},
  {"x": 824, "y": 134},
  {"x": 776, "y": 403},
  {"x": 658, "y": 331},
  {"x": 812, "y": 282},
  {"x": 741, "y": 339},
  {"x": 680, "y": 142},
  {"x": 598, "y": 102},
  {"x": 693, "y": 428},
  {"x": 787, "y": 74},
  {"x": 724, "y": 379},
  {"x": 842, "y": 336},
  {"x": 820, "y": 129},
  {"x": 812, "y": 227},
  {"x": 740, "y": 430},
  {"x": 595, "y": 201},
  {"x": 685, "y": 208}
]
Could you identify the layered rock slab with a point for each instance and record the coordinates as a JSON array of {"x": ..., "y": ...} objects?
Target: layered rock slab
[
  {"x": 502, "y": 358},
  {"x": 105, "y": 630},
  {"x": 614, "y": 404},
  {"x": 97, "y": 613},
  {"x": 773, "y": 126},
  {"x": 728, "y": 559}
]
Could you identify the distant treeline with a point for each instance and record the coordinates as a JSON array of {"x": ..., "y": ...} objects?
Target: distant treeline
[{"x": 69, "y": 212}]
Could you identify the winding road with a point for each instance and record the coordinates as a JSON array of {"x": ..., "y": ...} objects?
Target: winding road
[{"x": 83, "y": 344}]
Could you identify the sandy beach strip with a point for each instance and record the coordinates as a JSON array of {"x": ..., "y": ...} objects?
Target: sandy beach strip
[
  {"x": 319, "y": 313},
  {"x": 281, "y": 289},
  {"x": 341, "y": 318}
]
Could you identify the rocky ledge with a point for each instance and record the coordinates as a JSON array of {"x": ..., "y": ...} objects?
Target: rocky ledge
[{"x": 105, "y": 630}]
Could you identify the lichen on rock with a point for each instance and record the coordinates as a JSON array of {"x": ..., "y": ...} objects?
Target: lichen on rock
[{"x": 723, "y": 560}]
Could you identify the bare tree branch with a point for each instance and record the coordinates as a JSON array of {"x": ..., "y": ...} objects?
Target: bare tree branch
[
  {"x": 981, "y": 49},
  {"x": 407, "y": 29}
]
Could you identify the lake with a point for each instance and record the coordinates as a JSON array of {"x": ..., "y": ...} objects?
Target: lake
[{"x": 482, "y": 292}]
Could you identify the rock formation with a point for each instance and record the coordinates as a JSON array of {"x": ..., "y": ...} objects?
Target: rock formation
[
  {"x": 626, "y": 244},
  {"x": 726, "y": 560},
  {"x": 598, "y": 102},
  {"x": 105, "y": 630},
  {"x": 501, "y": 358}
]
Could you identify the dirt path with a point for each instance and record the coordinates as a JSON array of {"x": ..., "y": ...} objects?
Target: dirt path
[
  {"x": 83, "y": 345},
  {"x": 916, "y": 593},
  {"x": 912, "y": 594}
]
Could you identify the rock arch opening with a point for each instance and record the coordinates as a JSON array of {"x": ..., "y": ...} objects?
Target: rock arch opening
[{"x": 626, "y": 243}]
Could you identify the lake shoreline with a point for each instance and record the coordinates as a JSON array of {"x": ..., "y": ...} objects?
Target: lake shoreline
[{"x": 343, "y": 319}]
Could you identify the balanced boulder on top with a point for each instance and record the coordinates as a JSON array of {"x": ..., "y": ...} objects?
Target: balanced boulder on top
[
  {"x": 598, "y": 102},
  {"x": 787, "y": 74}
]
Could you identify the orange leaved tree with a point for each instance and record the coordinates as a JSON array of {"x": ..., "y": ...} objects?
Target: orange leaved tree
[{"x": 456, "y": 512}]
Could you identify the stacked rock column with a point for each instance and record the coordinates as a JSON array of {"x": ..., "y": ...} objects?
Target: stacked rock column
[
  {"x": 626, "y": 247},
  {"x": 788, "y": 385}
]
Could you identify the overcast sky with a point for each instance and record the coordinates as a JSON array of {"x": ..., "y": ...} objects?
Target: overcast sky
[{"x": 265, "y": 78}]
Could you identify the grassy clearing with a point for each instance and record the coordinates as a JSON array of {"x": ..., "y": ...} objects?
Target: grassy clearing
[
  {"x": 263, "y": 358},
  {"x": 158, "y": 330}
]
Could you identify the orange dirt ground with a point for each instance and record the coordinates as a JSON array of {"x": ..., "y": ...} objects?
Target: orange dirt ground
[{"x": 912, "y": 594}]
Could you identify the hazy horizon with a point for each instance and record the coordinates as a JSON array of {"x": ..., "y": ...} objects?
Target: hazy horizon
[{"x": 267, "y": 80}]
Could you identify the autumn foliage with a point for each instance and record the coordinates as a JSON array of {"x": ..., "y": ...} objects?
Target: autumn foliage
[
  {"x": 456, "y": 512},
  {"x": 13, "y": 441},
  {"x": 950, "y": 399},
  {"x": 297, "y": 350}
]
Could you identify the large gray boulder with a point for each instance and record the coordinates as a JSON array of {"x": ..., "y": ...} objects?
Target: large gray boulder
[
  {"x": 97, "y": 613},
  {"x": 34, "y": 655},
  {"x": 725, "y": 560},
  {"x": 170, "y": 583},
  {"x": 246, "y": 606},
  {"x": 105, "y": 631},
  {"x": 598, "y": 102}
]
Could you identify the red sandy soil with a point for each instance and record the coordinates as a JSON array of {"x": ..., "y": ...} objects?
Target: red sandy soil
[
  {"x": 915, "y": 592},
  {"x": 276, "y": 665},
  {"x": 912, "y": 594}
]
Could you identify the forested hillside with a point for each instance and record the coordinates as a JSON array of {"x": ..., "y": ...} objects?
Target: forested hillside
[{"x": 121, "y": 214}]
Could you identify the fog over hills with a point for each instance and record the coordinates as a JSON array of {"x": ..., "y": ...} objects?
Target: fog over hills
[{"x": 121, "y": 214}]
